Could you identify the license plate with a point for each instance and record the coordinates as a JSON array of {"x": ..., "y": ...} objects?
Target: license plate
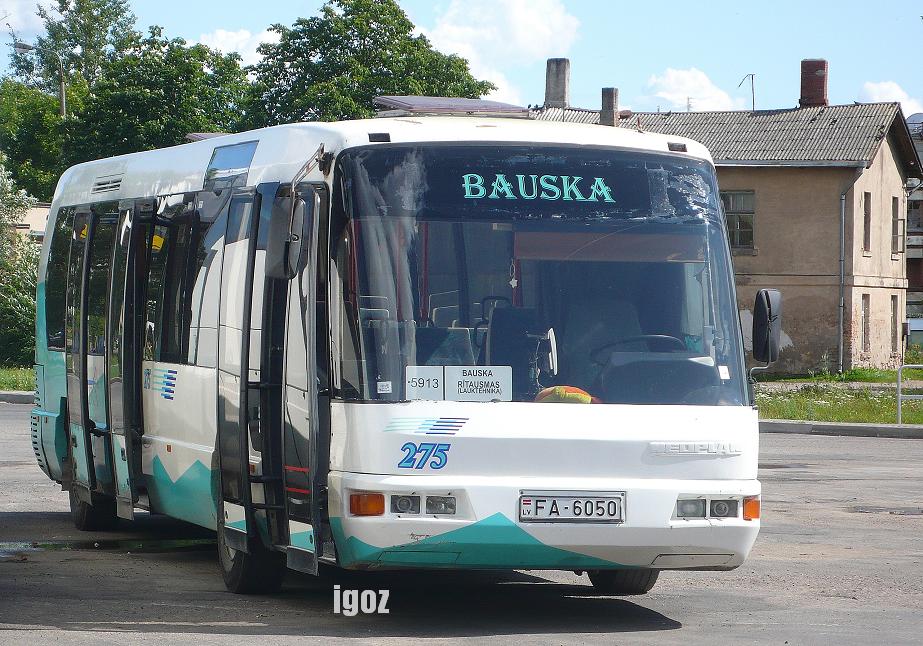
[{"x": 572, "y": 508}]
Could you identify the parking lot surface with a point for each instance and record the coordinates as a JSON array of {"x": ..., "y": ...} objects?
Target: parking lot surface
[{"x": 839, "y": 561}]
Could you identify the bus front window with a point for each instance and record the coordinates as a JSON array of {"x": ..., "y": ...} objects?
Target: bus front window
[{"x": 448, "y": 298}]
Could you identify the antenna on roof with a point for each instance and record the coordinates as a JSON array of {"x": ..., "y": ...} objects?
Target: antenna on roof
[{"x": 752, "y": 78}]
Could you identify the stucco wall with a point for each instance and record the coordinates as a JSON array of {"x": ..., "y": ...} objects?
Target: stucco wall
[
  {"x": 796, "y": 250},
  {"x": 877, "y": 272}
]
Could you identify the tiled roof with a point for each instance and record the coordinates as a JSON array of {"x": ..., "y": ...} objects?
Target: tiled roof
[{"x": 814, "y": 135}]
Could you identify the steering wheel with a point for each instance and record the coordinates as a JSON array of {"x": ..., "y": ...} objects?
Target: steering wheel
[{"x": 676, "y": 345}]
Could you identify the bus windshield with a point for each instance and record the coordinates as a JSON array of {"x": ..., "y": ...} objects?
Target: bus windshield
[{"x": 531, "y": 273}]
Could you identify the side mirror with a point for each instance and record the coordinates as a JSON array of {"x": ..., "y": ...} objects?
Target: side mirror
[
  {"x": 289, "y": 238},
  {"x": 552, "y": 352},
  {"x": 767, "y": 325},
  {"x": 546, "y": 352}
]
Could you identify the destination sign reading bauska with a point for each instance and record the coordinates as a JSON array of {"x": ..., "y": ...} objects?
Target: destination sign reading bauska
[{"x": 531, "y": 187}]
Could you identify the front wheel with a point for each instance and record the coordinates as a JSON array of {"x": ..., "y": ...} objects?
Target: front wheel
[
  {"x": 624, "y": 582},
  {"x": 259, "y": 572}
]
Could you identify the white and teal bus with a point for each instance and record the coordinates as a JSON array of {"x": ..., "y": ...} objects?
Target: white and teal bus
[{"x": 406, "y": 342}]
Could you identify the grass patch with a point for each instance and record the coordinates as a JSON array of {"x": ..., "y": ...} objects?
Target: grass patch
[
  {"x": 864, "y": 375},
  {"x": 17, "y": 379},
  {"x": 832, "y": 404}
]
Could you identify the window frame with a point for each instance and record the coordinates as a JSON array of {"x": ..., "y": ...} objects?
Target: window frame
[
  {"x": 898, "y": 227},
  {"x": 736, "y": 214},
  {"x": 895, "y": 324}
]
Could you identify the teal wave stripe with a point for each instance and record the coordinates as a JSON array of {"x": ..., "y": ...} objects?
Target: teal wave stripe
[
  {"x": 188, "y": 498},
  {"x": 494, "y": 542}
]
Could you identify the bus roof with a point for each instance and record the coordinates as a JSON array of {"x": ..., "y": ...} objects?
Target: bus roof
[{"x": 282, "y": 150}]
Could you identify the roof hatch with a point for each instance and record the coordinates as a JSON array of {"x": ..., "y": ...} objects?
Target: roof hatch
[{"x": 403, "y": 106}]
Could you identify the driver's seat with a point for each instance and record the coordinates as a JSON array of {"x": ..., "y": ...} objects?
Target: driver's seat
[{"x": 590, "y": 325}]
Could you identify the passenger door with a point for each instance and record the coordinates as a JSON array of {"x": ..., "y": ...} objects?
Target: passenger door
[
  {"x": 126, "y": 337},
  {"x": 234, "y": 371},
  {"x": 86, "y": 339},
  {"x": 80, "y": 474},
  {"x": 306, "y": 422}
]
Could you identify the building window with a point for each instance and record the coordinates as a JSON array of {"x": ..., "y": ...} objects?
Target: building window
[
  {"x": 867, "y": 221},
  {"x": 897, "y": 226},
  {"x": 738, "y": 213},
  {"x": 866, "y": 315},
  {"x": 915, "y": 215},
  {"x": 895, "y": 325}
]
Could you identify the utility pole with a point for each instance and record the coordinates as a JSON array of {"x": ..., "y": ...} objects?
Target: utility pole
[{"x": 25, "y": 48}]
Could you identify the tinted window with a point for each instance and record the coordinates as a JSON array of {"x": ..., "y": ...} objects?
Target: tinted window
[
  {"x": 56, "y": 278},
  {"x": 98, "y": 281},
  {"x": 229, "y": 165},
  {"x": 183, "y": 245},
  {"x": 463, "y": 270}
]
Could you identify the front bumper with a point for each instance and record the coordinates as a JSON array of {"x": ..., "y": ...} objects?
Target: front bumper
[{"x": 485, "y": 532}]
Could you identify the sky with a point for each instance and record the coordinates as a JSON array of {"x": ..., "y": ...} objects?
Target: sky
[{"x": 665, "y": 54}]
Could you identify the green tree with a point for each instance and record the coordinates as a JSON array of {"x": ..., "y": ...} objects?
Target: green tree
[
  {"x": 18, "y": 266},
  {"x": 331, "y": 66},
  {"x": 154, "y": 92},
  {"x": 83, "y": 33},
  {"x": 32, "y": 134}
]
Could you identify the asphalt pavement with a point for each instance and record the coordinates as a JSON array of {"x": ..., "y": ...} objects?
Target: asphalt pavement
[{"x": 839, "y": 561}]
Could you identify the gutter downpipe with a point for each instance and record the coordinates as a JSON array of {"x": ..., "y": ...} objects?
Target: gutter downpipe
[
  {"x": 842, "y": 307},
  {"x": 841, "y": 315}
]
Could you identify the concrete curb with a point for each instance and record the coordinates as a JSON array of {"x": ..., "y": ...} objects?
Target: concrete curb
[
  {"x": 17, "y": 396},
  {"x": 903, "y": 431}
]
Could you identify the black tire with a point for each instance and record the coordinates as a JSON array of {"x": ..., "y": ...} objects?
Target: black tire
[
  {"x": 100, "y": 516},
  {"x": 624, "y": 582},
  {"x": 259, "y": 572}
]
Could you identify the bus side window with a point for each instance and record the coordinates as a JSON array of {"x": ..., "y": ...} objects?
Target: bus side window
[
  {"x": 206, "y": 277},
  {"x": 56, "y": 278},
  {"x": 183, "y": 289}
]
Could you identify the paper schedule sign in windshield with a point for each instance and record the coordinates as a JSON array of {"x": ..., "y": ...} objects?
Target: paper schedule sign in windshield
[{"x": 459, "y": 383}]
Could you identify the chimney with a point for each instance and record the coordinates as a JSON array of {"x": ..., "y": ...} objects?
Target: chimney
[
  {"x": 813, "y": 82},
  {"x": 609, "y": 115},
  {"x": 557, "y": 83}
]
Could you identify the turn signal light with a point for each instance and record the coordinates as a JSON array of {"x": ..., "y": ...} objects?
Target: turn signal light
[
  {"x": 751, "y": 507},
  {"x": 366, "y": 504}
]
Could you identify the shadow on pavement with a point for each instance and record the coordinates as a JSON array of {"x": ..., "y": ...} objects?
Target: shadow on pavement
[{"x": 77, "y": 581}]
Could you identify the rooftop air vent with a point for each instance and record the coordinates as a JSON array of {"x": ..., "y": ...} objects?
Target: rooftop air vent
[
  {"x": 106, "y": 184},
  {"x": 403, "y": 106}
]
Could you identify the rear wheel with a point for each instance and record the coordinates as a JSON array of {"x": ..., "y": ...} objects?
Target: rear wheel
[
  {"x": 100, "y": 516},
  {"x": 259, "y": 572},
  {"x": 624, "y": 582}
]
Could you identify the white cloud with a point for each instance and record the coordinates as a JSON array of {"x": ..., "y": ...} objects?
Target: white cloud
[
  {"x": 240, "y": 41},
  {"x": 890, "y": 91},
  {"x": 492, "y": 34},
  {"x": 21, "y": 16},
  {"x": 677, "y": 86}
]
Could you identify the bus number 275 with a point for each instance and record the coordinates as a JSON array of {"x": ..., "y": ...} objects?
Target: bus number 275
[{"x": 416, "y": 456}]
